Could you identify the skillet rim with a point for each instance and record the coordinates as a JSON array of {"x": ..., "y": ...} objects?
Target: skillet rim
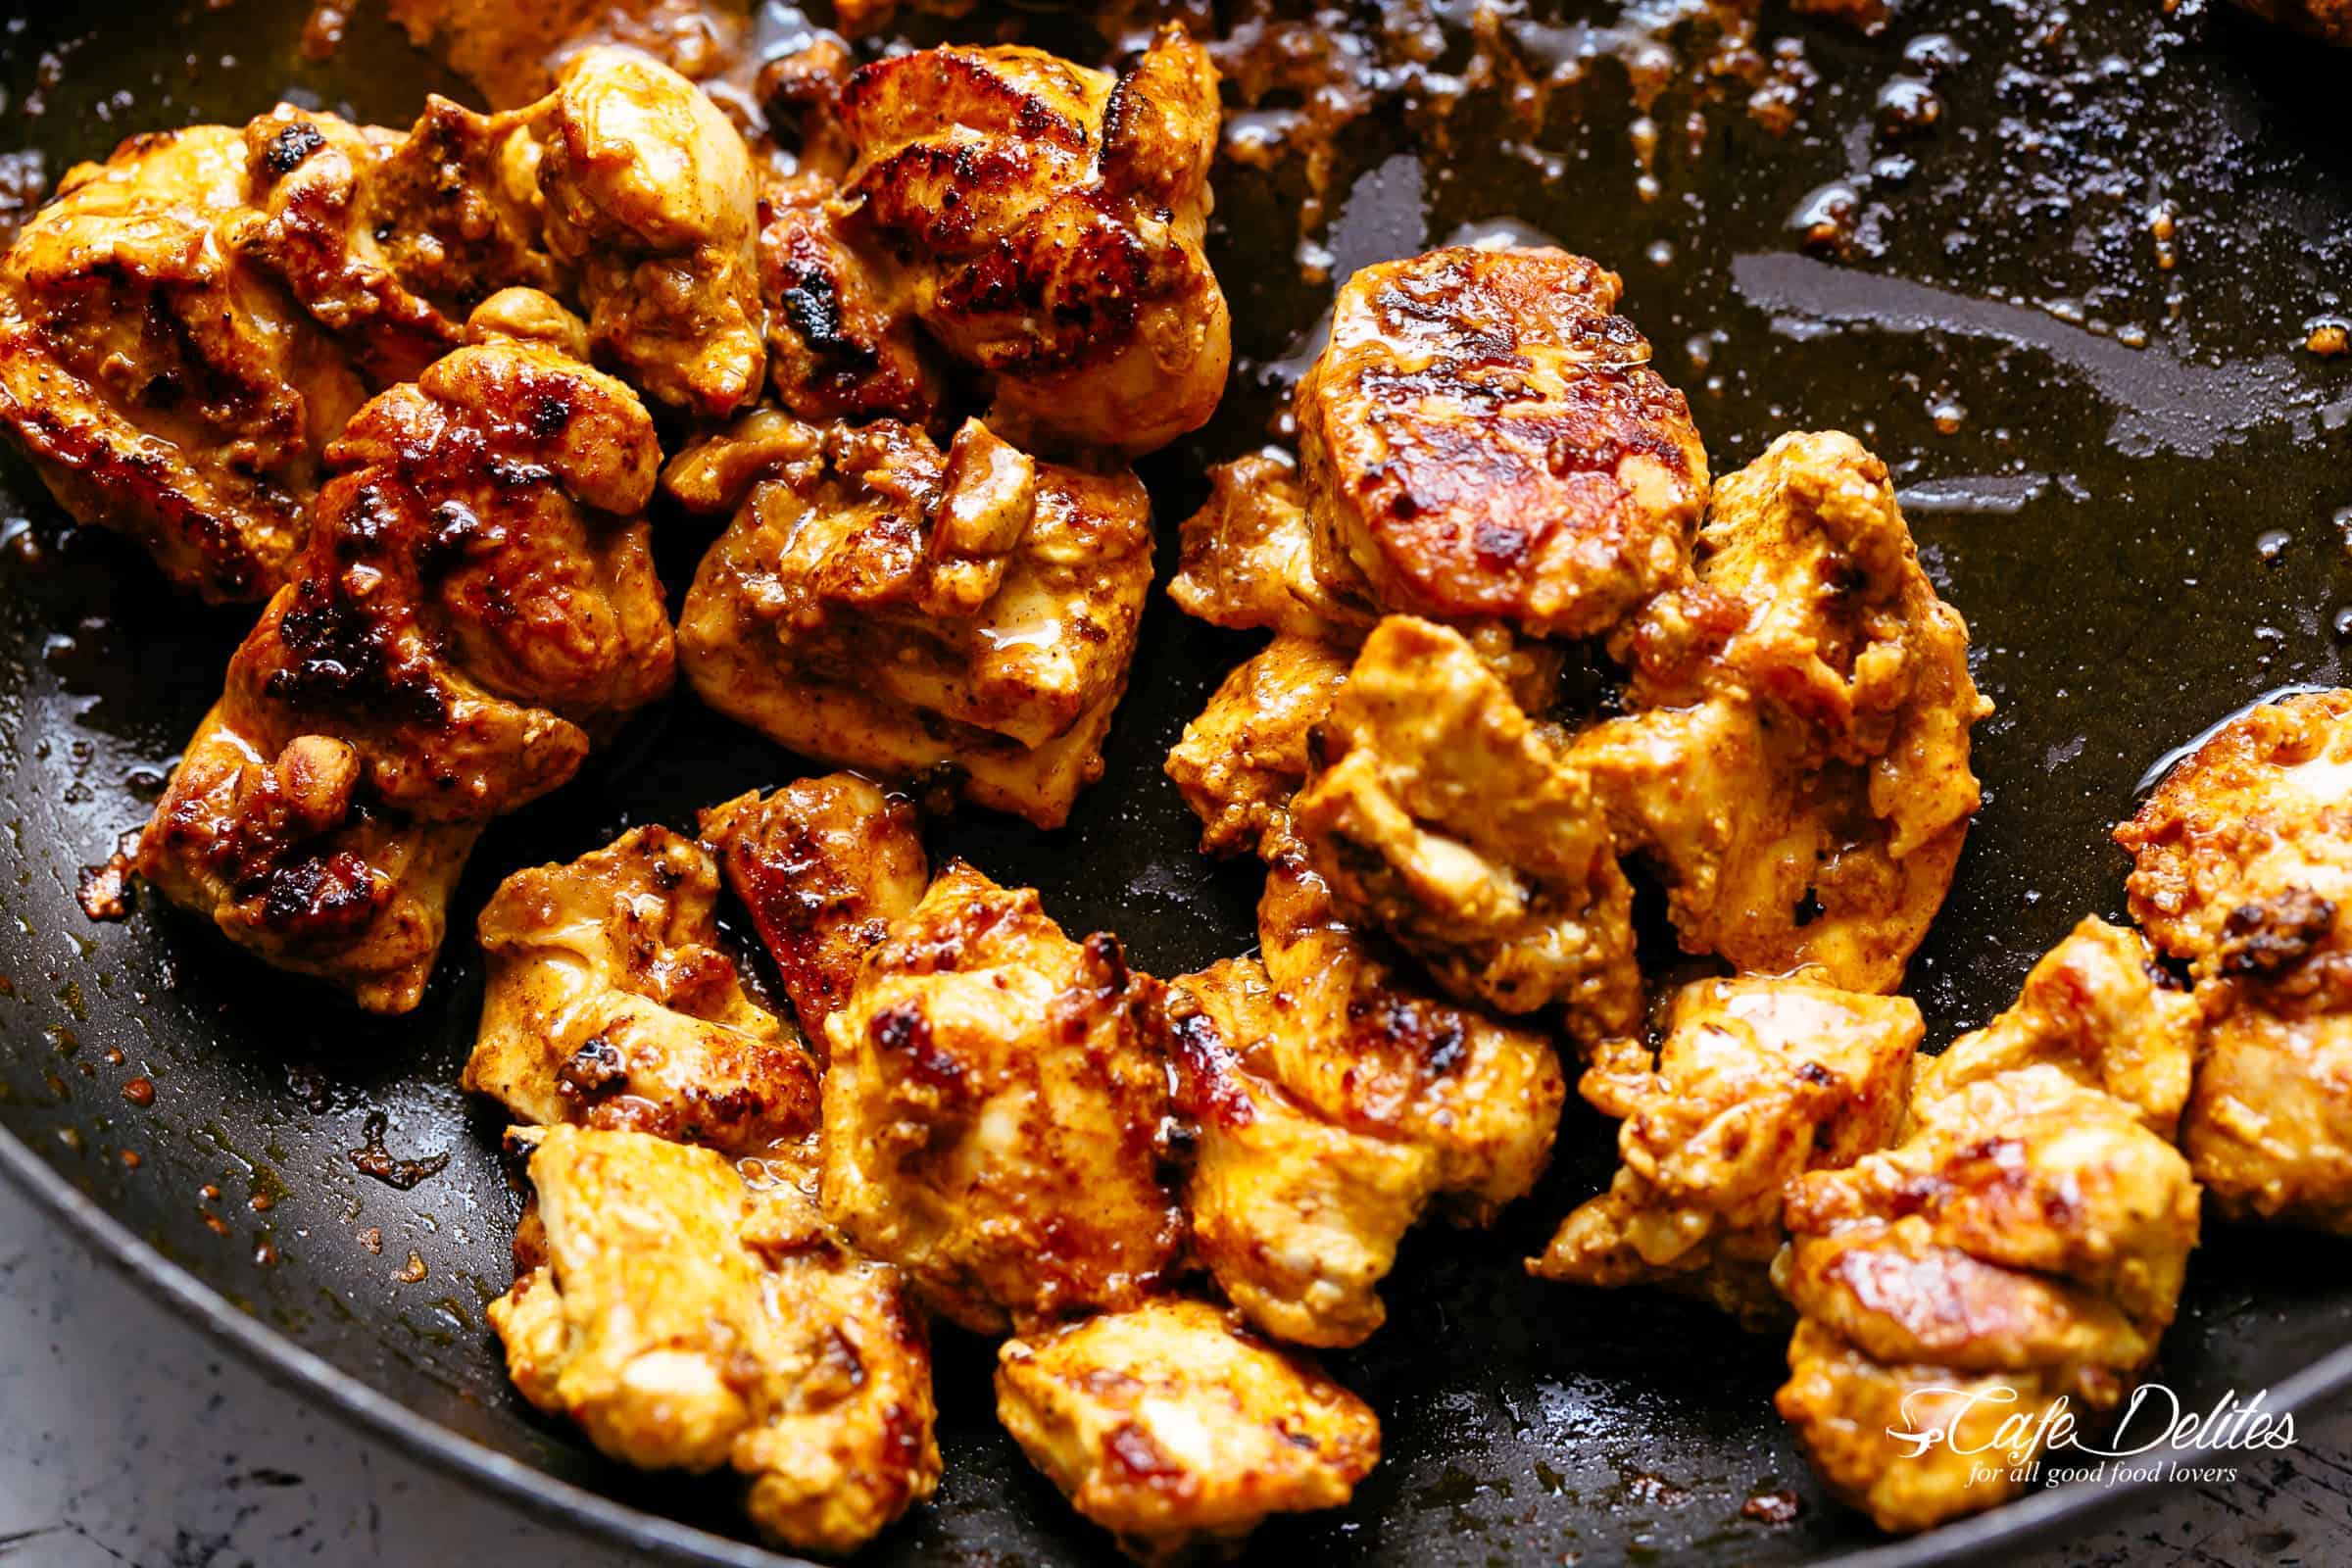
[{"x": 2025, "y": 1522}]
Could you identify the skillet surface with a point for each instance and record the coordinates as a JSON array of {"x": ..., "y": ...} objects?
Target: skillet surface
[{"x": 2145, "y": 535}]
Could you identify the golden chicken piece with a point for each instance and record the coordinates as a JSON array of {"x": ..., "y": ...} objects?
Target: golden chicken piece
[
  {"x": 994, "y": 1109},
  {"x": 842, "y": 340},
  {"x": 1438, "y": 813},
  {"x": 2030, "y": 1231},
  {"x": 1332, "y": 1101},
  {"x": 1758, "y": 1081},
  {"x": 824, "y": 865},
  {"x": 1248, "y": 558},
  {"x": 513, "y": 52},
  {"x": 611, "y": 1004},
  {"x": 476, "y": 605},
  {"x": 155, "y": 377},
  {"x": 881, "y": 605},
  {"x": 1483, "y": 439},
  {"x": 1243, "y": 760},
  {"x": 689, "y": 1321},
  {"x": 1044, "y": 221},
  {"x": 2244, "y": 867},
  {"x": 1178, "y": 1431},
  {"x": 1797, "y": 760}
]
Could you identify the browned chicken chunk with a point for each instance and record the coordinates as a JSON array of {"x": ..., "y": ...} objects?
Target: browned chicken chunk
[
  {"x": 993, "y": 1112},
  {"x": 1042, "y": 222},
  {"x": 1758, "y": 1081},
  {"x": 1250, "y": 557},
  {"x": 512, "y": 50},
  {"x": 1440, "y": 813},
  {"x": 1243, "y": 760},
  {"x": 2030, "y": 1231},
  {"x": 882, "y": 605},
  {"x": 476, "y": 605},
  {"x": 1332, "y": 1101},
  {"x": 842, "y": 340},
  {"x": 159, "y": 380},
  {"x": 1797, "y": 760},
  {"x": 690, "y": 1321},
  {"x": 824, "y": 865},
  {"x": 611, "y": 1004},
  {"x": 2244, "y": 870},
  {"x": 1483, "y": 439},
  {"x": 1178, "y": 1431}
]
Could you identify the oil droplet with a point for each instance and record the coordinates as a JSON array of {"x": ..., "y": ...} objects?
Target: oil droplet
[
  {"x": 2272, "y": 545},
  {"x": 1908, "y": 106},
  {"x": 2344, "y": 625},
  {"x": 1948, "y": 416},
  {"x": 1660, "y": 253}
]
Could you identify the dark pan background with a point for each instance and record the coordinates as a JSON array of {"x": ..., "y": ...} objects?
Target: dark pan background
[{"x": 2143, "y": 540}]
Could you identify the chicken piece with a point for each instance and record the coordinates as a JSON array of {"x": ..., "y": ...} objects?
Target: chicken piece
[
  {"x": 883, "y": 606},
  {"x": 1250, "y": 557},
  {"x": 993, "y": 1108},
  {"x": 1331, "y": 1103},
  {"x": 2244, "y": 867},
  {"x": 1178, "y": 1431},
  {"x": 824, "y": 865},
  {"x": 2031, "y": 1229},
  {"x": 1441, "y": 814},
  {"x": 1044, "y": 222},
  {"x": 513, "y": 52},
  {"x": 689, "y": 1321},
  {"x": 611, "y": 1004},
  {"x": 158, "y": 381},
  {"x": 1240, "y": 762},
  {"x": 1758, "y": 1081},
  {"x": 651, "y": 204},
  {"x": 1483, "y": 439},
  {"x": 476, "y": 605},
  {"x": 1796, "y": 760},
  {"x": 842, "y": 339}
]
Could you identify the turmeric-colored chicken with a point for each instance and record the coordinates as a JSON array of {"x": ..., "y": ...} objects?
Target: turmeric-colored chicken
[
  {"x": 1042, "y": 222},
  {"x": 1758, "y": 1081},
  {"x": 512, "y": 50},
  {"x": 2029, "y": 1232},
  {"x": 824, "y": 865},
  {"x": 1483, "y": 439},
  {"x": 994, "y": 1109},
  {"x": 1333, "y": 1100},
  {"x": 688, "y": 1320},
  {"x": 1797, "y": 760},
  {"x": 611, "y": 1004},
  {"x": 1179, "y": 1431},
  {"x": 1243, "y": 760},
  {"x": 1438, "y": 813},
  {"x": 842, "y": 342},
  {"x": 1248, "y": 558},
  {"x": 882, "y": 605},
  {"x": 475, "y": 606},
  {"x": 156, "y": 377},
  {"x": 2244, "y": 870}
]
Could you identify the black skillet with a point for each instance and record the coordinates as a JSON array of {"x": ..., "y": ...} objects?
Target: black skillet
[{"x": 2144, "y": 538}]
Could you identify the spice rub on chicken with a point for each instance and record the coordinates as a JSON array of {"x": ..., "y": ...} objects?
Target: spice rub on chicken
[
  {"x": 611, "y": 1002},
  {"x": 475, "y": 606},
  {"x": 1757, "y": 1081},
  {"x": 2029, "y": 1232},
  {"x": 185, "y": 329},
  {"x": 690, "y": 1320},
  {"x": 883, "y": 604},
  {"x": 2243, "y": 861},
  {"x": 1179, "y": 1431},
  {"x": 1796, "y": 760}
]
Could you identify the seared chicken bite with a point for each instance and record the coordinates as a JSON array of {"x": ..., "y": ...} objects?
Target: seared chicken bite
[
  {"x": 993, "y": 1111},
  {"x": 1483, "y": 439},
  {"x": 610, "y": 1003},
  {"x": 160, "y": 381},
  {"x": 841, "y": 337},
  {"x": 1797, "y": 760},
  {"x": 882, "y": 605},
  {"x": 1332, "y": 1100},
  {"x": 2031, "y": 1229},
  {"x": 1758, "y": 1080},
  {"x": 2244, "y": 870},
  {"x": 687, "y": 1320},
  {"x": 514, "y": 51},
  {"x": 1250, "y": 557},
  {"x": 1441, "y": 814},
  {"x": 1240, "y": 762},
  {"x": 824, "y": 865},
  {"x": 476, "y": 605},
  {"x": 1178, "y": 1431},
  {"x": 1044, "y": 221}
]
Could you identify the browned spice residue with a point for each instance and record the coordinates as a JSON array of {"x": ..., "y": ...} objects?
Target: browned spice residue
[
  {"x": 413, "y": 1271},
  {"x": 140, "y": 1091},
  {"x": 372, "y": 1159}
]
